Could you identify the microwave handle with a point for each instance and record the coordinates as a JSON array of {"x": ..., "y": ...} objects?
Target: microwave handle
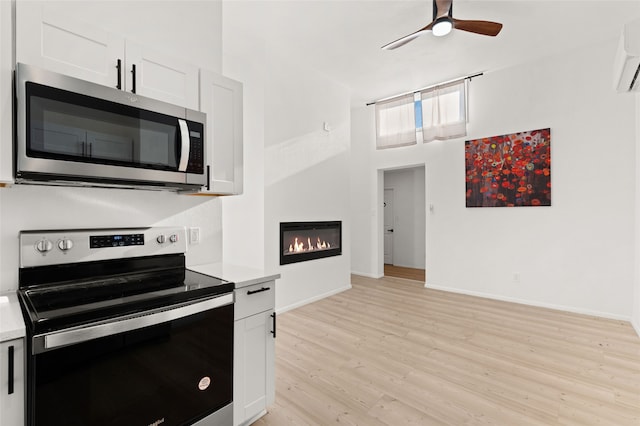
[{"x": 185, "y": 145}]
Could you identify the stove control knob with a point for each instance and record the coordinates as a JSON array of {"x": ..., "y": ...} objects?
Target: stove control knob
[
  {"x": 173, "y": 238},
  {"x": 161, "y": 239},
  {"x": 44, "y": 246},
  {"x": 65, "y": 244}
]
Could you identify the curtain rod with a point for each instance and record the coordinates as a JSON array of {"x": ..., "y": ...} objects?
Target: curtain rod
[{"x": 469, "y": 77}]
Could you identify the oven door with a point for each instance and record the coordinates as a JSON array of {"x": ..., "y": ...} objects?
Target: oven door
[
  {"x": 69, "y": 129},
  {"x": 168, "y": 367}
]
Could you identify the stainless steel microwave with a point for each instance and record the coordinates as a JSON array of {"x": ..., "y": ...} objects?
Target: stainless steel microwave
[{"x": 74, "y": 132}]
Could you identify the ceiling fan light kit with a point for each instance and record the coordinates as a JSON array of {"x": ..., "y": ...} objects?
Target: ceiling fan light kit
[
  {"x": 442, "y": 26},
  {"x": 443, "y": 22}
]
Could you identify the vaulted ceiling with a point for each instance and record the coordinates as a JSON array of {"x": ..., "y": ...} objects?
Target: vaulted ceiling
[{"x": 342, "y": 39}]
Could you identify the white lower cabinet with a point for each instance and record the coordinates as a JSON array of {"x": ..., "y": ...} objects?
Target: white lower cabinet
[
  {"x": 12, "y": 391},
  {"x": 254, "y": 352}
]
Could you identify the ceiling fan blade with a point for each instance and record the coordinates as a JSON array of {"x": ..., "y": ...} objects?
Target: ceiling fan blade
[
  {"x": 479, "y": 27},
  {"x": 406, "y": 39}
]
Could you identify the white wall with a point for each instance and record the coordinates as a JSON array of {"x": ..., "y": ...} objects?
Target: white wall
[
  {"x": 187, "y": 29},
  {"x": 409, "y": 215},
  {"x": 243, "y": 215},
  {"x": 294, "y": 170},
  {"x": 34, "y": 207},
  {"x": 306, "y": 175},
  {"x": 635, "y": 320},
  {"x": 577, "y": 254}
]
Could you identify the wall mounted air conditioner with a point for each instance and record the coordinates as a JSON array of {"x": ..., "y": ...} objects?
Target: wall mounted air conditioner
[{"x": 626, "y": 66}]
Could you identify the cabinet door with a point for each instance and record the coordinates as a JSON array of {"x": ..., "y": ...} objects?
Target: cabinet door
[
  {"x": 221, "y": 100},
  {"x": 254, "y": 351},
  {"x": 6, "y": 96},
  {"x": 50, "y": 39},
  {"x": 12, "y": 394},
  {"x": 161, "y": 76}
]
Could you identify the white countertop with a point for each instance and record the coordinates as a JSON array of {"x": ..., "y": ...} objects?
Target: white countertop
[
  {"x": 240, "y": 275},
  {"x": 11, "y": 321}
]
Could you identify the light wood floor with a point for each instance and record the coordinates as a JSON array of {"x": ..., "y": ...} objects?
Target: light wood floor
[
  {"x": 389, "y": 352},
  {"x": 403, "y": 272}
]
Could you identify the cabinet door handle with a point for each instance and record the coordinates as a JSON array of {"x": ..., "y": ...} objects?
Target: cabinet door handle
[
  {"x": 273, "y": 316},
  {"x": 119, "y": 68},
  {"x": 133, "y": 78},
  {"x": 259, "y": 290},
  {"x": 10, "y": 369}
]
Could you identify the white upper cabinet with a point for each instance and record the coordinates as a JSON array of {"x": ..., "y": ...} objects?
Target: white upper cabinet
[
  {"x": 50, "y": 39},
  {"x": 6, "y": 96},
  {"x": 47, "y": 38},
  {"x": 160, "y": 76},
  {"x": 221, "y": 100}
]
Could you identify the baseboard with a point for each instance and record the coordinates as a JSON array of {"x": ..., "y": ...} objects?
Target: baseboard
[
  {"x": 312, "y": 299},
  {"x": 533, "y": 303},
  {"x": 636, "y": 325},
  {"x": 254, "y": 418},
  {"x": 366, "y": 274}
]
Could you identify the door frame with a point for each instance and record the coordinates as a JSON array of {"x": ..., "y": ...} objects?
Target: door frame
[
  {"x": 384, "y": 224},
  {"x": 379, "y": 265}
]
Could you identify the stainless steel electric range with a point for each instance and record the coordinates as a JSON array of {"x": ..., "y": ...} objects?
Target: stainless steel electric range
[{"x": 120, "y": 332}]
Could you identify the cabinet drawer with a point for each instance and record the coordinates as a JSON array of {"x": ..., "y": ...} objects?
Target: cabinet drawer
[{"x": 255, "y": 299}]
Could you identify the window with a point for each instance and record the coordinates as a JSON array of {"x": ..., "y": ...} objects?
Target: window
[
  {"x": 444, "y": 112},
  {"x": 396, "y": 122},
  {"x": 436, "y": 113}
]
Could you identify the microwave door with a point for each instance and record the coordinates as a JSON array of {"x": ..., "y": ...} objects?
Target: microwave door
[{"x": 73, "y": 132}]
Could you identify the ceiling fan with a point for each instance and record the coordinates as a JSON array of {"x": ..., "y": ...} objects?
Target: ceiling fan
[{"x": 443, "y": 22}]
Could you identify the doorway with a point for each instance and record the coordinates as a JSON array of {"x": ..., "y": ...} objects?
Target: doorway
[{"x": 404, "y": 222}]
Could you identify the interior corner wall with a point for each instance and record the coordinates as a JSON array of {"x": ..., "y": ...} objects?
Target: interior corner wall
[
  {"x": 578, "y": 254},
  {"x": 364, "y": 190},
  {"x": 635, "y": 320},
  {"x": 295, "y": 170},
  {"x": 306, "y": 174},
  {"x": 243, "y": 215}
]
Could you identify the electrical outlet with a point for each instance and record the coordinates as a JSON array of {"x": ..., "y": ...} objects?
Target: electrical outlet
[
  {"x": 516, "y": 277},
  {"x": 194, "y": 235}
]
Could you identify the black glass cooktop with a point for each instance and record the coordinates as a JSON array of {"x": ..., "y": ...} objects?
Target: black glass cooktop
[{"x": 56, "y": 297}]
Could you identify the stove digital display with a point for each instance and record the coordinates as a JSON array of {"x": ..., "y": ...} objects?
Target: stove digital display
[{"x": 101, "y": 241}]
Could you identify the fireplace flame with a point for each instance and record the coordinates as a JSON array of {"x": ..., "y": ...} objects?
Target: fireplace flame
[{"x": 299, "y": 246}]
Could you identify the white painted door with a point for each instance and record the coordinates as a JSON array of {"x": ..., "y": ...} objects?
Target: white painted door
[{"x": 388, "y": 226}]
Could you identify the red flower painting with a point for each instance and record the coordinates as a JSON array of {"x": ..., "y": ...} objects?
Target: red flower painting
[{"x": 509, "y": 170}]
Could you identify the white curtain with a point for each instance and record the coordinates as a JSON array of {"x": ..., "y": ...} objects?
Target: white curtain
[
  {"x": 444, "y": 112},
  {"x": 396, "y": 122}
]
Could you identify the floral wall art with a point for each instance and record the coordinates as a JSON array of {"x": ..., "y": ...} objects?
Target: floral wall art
[{"x": 509, "y": 170}]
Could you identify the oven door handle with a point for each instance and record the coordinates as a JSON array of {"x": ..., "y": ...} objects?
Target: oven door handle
[{"x": 43, "y": 343}]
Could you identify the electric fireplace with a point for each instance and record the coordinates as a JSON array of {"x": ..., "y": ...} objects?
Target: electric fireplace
[{"x": 301, "y": 241}]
